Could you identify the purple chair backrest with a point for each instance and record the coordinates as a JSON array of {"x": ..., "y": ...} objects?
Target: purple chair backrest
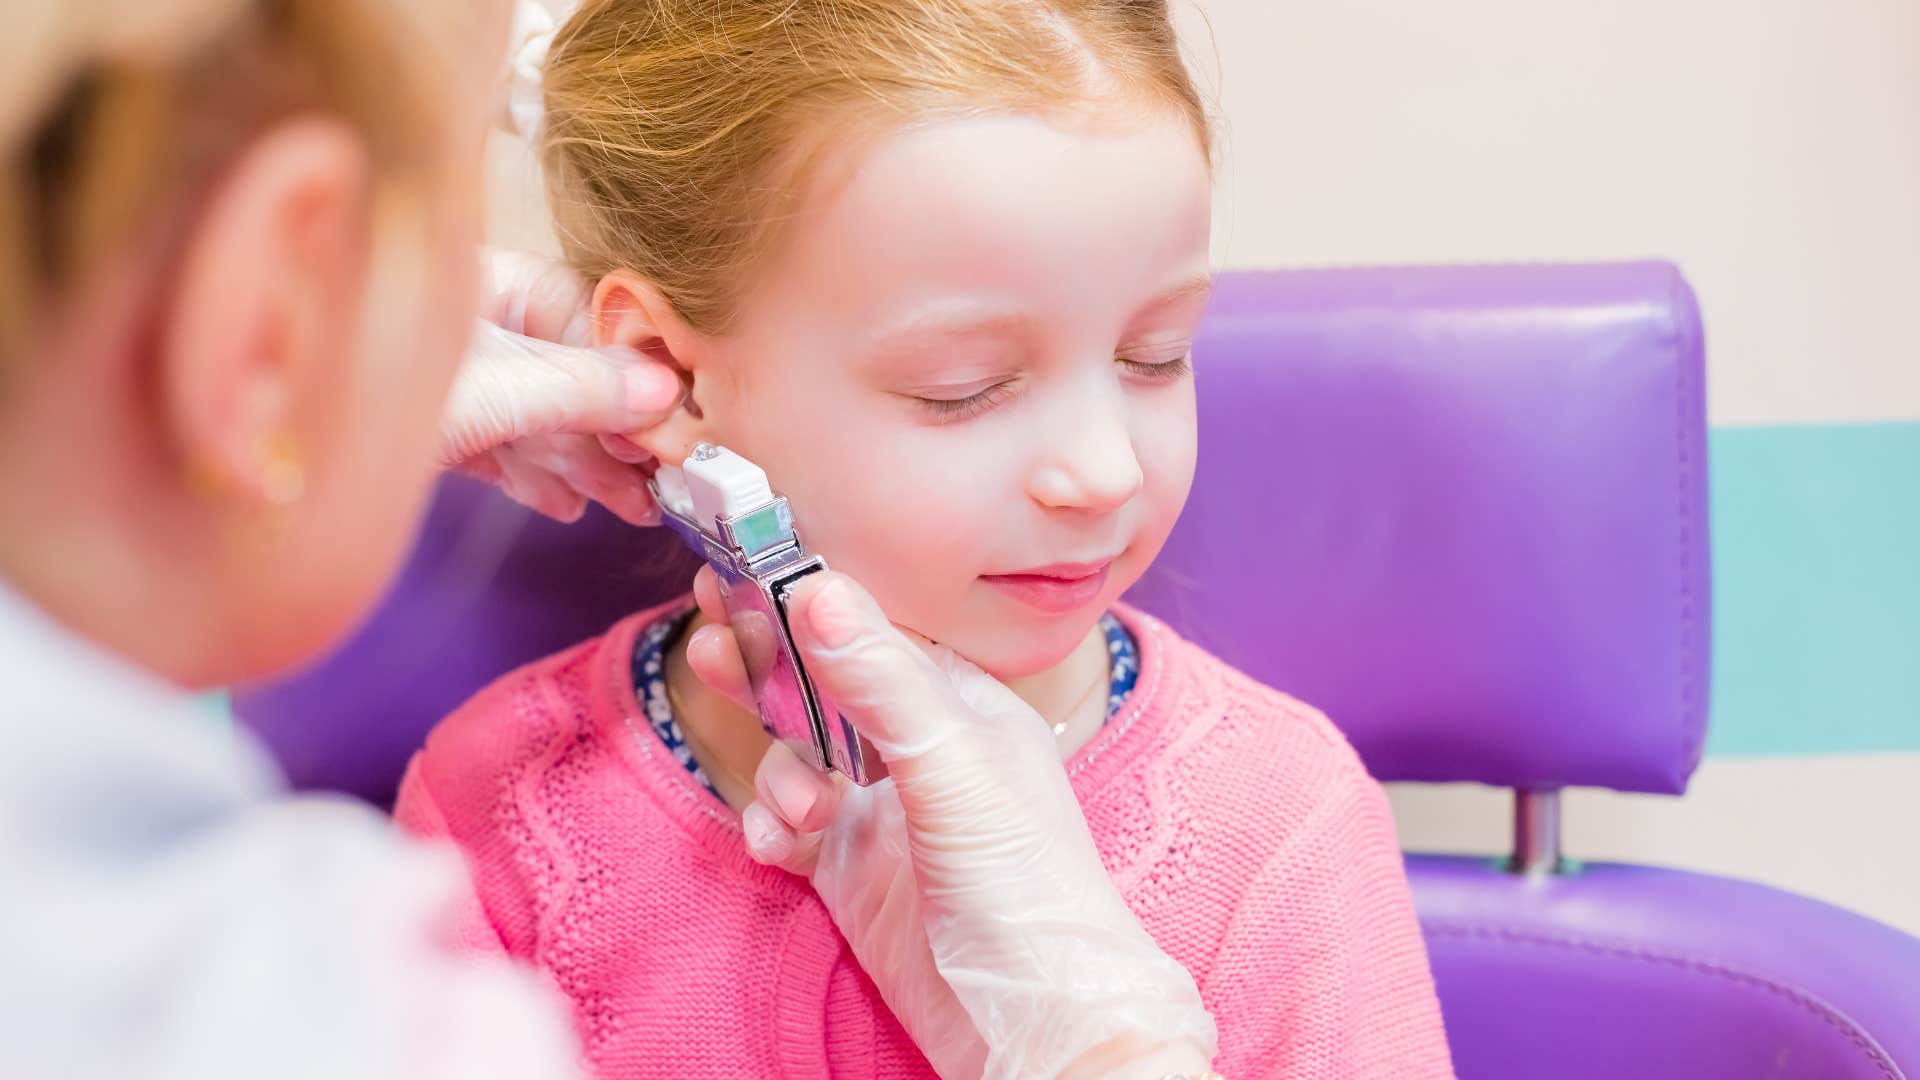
[{"x": 1461, "y": 509}]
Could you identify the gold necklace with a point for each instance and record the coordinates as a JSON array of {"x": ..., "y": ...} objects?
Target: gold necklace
[
  {"x": 1100, "y": 679},
  {"x": 681, "y": 714}
]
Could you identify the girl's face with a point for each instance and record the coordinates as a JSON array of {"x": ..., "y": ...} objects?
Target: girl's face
[{"x": 966, "y": 363}]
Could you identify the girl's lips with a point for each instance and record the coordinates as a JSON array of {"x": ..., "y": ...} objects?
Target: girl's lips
[{"x": 1054, "y": 589}]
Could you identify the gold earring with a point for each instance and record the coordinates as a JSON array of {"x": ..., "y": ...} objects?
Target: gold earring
[{"x": 283, "y": 476}]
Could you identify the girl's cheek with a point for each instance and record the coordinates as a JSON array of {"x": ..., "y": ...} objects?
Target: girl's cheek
[
  {"x": 1166, "y": 441},
  {"x": 861, "y": 489},
  {"x": 913, "y": 526}
]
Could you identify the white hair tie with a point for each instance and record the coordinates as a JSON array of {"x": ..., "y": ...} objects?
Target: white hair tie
[{"x": 533, "y": 29}]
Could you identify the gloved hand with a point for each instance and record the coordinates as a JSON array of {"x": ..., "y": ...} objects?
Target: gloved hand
[
  {"x": 537, "y": 412},
  {"x": 967, "y": 883}
]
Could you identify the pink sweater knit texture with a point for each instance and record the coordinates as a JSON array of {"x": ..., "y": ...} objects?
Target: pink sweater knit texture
[{"x": 1237, "y": 822}]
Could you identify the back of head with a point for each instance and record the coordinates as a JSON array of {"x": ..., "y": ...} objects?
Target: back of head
[
  {"x": 113, "y": 115},
  {"x": 677, "y": 130},
  {"x": 235, "y": 258}
]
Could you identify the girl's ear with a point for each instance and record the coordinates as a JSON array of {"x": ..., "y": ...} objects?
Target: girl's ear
[{"x": 629, "y": 311}]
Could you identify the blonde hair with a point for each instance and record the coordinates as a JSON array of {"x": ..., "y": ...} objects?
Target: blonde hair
[
  {"x": 113, "y": 114},
  {"x": 675, "y": 129}
]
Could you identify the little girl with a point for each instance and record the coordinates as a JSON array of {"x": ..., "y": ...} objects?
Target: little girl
[{"x": 937, "y": 266}]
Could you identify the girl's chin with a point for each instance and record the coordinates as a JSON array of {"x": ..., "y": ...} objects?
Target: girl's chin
[{"x": 1012, "y": 652}]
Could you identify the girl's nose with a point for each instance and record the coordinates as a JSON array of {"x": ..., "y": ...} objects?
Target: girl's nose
[{"x": 1089, "y": 463}]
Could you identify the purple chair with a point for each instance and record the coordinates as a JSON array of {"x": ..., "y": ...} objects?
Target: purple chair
[
  {"x": 1461, "y": 509},
  {"x": 1466, "y": 512}
]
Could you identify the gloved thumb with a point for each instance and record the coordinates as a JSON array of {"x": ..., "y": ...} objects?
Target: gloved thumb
[
  {"x": 881, "y": 681},
  {"x": 511, "y": 387}
]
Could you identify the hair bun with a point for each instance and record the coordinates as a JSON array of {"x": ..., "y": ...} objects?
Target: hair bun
[{"x": 45, "y": 43}]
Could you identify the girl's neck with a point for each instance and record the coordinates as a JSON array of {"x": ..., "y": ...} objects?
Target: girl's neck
[{"x": 728, "y": 741}]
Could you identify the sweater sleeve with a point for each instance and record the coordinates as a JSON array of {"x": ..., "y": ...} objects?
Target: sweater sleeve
[
  {"x": 468, "y": 928},
  {"x": 1322, "y": 971}
]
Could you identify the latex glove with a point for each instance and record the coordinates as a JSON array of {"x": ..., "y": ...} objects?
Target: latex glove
[
  {"x": 538, "y": 413},
  {"x": 967, "y": 883}
]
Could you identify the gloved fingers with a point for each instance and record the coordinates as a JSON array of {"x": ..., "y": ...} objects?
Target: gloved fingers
[
  {"x": 480, "y": 412},
  {"x": 882, "y": 682},
  {"x": 1000, "y": 713},
  {"x": 483, "y": 468},
  {"x": 535, "y": 411},
  {"x": 714, "y": 651},
  {"x": 804, "y": 797},
  {"x": 772, "y": 842},
  {"x": 967, "y": 881},
  {"x": 536, "y": 296},
  {"x": 714, "y": 656},
  {"x": 601, "y": 391},
  {"x": 986, "y": 695},
  {"x": 511, "y": 387},
  {"x": 621, "y": 448},
  {"x": 530, "y": 485},
  {"x": 638, "y": 392},
  {"x": 706, "y": 593},
  {"x": 581, "y": 462}
]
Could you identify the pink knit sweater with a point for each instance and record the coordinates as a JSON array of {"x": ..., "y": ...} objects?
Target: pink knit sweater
[{"x": 1237, "y": 823}]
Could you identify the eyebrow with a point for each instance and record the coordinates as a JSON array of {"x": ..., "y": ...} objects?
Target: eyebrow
[
  {"x": 958, "y": 321},
  {"x": 1197, "y": 285},
  {"x": 966, "y": 320}
]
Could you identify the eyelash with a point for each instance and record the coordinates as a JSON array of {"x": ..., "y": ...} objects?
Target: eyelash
[
  {"x": 967, "y": 408},
  {"x": 1165, "y": 370}
]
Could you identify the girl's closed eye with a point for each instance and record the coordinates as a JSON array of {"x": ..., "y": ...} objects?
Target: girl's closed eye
[
  {"x": 1164, "y": 364},
  {"x": 1160, "y": 367},
  {"x": 952, "y": 404}
]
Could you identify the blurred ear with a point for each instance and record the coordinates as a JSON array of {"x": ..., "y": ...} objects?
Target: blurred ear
[
  {"x": 262, "y": 323},
  {"x": 628, "y": 310}
]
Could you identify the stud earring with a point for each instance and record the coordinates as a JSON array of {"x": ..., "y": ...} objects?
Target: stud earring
[{"x": 283, "y": 476}]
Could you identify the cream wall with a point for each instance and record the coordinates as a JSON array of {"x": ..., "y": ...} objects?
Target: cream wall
[{"x": 1771, "y": 148}]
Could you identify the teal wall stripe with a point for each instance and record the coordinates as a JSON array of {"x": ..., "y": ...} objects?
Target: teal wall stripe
[
  {"x": 1816, "y": 549},
  {"x": 218, "y": 703}
]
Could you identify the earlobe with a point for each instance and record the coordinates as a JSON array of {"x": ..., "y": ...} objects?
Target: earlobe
[
  {"x": 261, "y": 314},
  {"x": 629, "y": 311}
]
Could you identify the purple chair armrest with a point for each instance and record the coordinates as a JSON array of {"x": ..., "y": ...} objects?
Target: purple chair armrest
[{"x": 1619, "y": 971}]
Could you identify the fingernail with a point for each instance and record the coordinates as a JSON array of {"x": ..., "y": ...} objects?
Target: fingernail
[
  {"x": 701, "y": 638},
  {"x": 637, "y": 506},
  {"x": 624, "y": 449},
  {"x": 794, "y": 794},
  {"x": 764, "y": 835},
  {"x": 651, "y": 388},
  {"x": 837, "y": 613}
]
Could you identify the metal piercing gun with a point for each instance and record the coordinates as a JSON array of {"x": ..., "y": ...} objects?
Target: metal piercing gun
[{"x": 723, "y": 507}]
